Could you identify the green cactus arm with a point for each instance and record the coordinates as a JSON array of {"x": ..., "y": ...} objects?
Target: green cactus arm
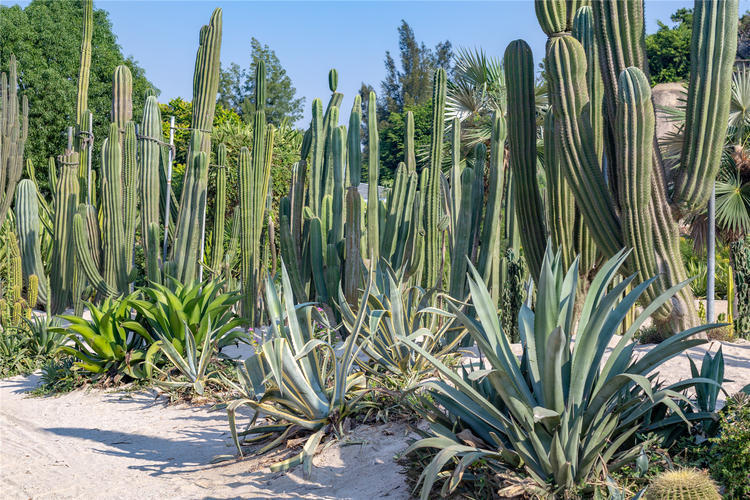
[
  {"x": 354, "y": 152},
  {"x": 83, "y": 254},
  {"x": 149, "y": 149},
  {"x": 14, "y": 127},
  {"x": 519, "y": 74},
  {"x": 493, "y": 203},
  {"x": 339, "y": 168},
  {"x": 457, "y": 286},
  {"x": 129, "y": 193},
  {"x": 561, "y": 208},
  {"x": 217, "y": 253},
  {"x": 583, "y": 31},
  {"x": 113, "y": 229},
  {"x": 432, "y": 211},
  {"x": 63, "y": 247},
  {"x": 316, "y": 157},
  {"x": 352, "y": 252},
  {"x": 27, "y": 225},
  {"x": 84, "y": 67},
  {"x": 206, "y": 79},
  {"x": 713, "y": 49},
  {"x": 566, "y": 63},
  {"x": 634, "y": 130},
  {"x": 552, "y": 15},
  {"x": 122, "y": 98},
  {"x": 455, "y": 176},
  {"x": 373, "y": 172}
]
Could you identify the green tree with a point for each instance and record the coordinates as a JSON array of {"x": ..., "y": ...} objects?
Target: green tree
[
  {"x": 237, "y": 86},
  {"x": 46, "y": 39},
  {"x": 412, "y": 83},
  {"x": 668, "y": 49}
]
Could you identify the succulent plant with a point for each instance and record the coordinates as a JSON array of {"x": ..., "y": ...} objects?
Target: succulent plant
[{"x": 682, "y": 484}]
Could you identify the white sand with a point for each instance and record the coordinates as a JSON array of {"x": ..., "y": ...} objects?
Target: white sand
[{"x": 100, "y": 444}]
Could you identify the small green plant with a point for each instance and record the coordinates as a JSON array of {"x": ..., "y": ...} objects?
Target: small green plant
[
  {"x": 729, "y": 456},
  {"x": 682, "y": 484},
  {"x": 59, "y": 376},
  {"x": 45, "y": 338},
  {"x": 15, "y": 357},
  {"x": 111, "y": 343}
]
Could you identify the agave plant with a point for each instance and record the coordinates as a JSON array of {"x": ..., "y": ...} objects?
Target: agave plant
[
  {"x": 395, "y": 312},
  {"x": 111, "y": 342},
  {"x": 193, "y": 363},
  {"x": 559, "y": 410},
  {"x": 44, "y": 337},
  {"x": 299, "y": 382},
  {"x": 168, "y": 313}
]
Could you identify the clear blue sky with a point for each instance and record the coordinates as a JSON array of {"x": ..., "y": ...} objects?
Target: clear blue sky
[{"x": 310, "y": 37}]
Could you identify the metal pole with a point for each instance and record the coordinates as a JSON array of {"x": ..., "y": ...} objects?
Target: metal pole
[
  {"x": 70, "y": 140},
  {"x": 711, "y": 251},
  {"x": 169, "y": 190},
  {"x": 91, "y": 153}
]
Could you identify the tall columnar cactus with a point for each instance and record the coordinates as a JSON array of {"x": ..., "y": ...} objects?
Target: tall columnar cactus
[
  {"x": 29, "y": 234},
  {"x": 122, "y": 98},
  {"x": 149, "y": 148},
  {"x": 254, "y": 177},
  {"x": 519, "y": 71},
  {"x": 373, "y": 174},
  {"x": 115, "y": 264},
  {"x": 629, "y": 205},
  {"x": 14, "y": 129},
  {"x": 63, "y": 248},
  {"x": 433, "y": 212},
  {"x": 185, "y": 253},
  {"x": 129, "y": 192},
  {"x": 217, "y": 256},
  {"x": 82, "y": 100}
]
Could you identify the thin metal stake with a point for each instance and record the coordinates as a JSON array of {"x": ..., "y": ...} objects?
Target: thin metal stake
[
  {"x": 169, "y": 190},
  {"x": 711, "y": 251}
]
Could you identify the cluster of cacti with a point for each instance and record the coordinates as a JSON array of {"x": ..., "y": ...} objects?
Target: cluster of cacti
[
  {"x": 682, "y": 484},
  {"x": 14, "y": 129},
  {"x": 599, "y": 142},
  {"x": 13, "y": 307}
]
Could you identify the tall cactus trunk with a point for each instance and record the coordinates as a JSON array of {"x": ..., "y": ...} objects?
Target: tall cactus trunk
[
  {"x": 433, "y": 212},
  {"x": 14, "y": 129},
  {"x": 629, "y": 204},
  {"x": 63, "y": 249}
]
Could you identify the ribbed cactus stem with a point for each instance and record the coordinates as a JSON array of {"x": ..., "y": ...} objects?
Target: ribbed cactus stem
[
  {"x": 353, "y": 259},
  {"x": 713, "y": 50},
  {"x": 455, "y": 174},
  {"x": 462, "y": 237},
  {"x": 206, "y": 79},
  {"x": 493, "y": 204},
  {"x": 113, "y": 237},
  {"x": 221, "y": 207},
  {"x": 83, "y": 254},
  {"x": 63, "y": 245},
  {"x": 122, "y": 97},
  {"x": 634, "y": 130},
  {"x": 561, "y": 208},
  {"x": 129, "y": 193},
  {"x": 333, "y": 79},
  {"x": 519, "y": 74},
  {"x": 149, "y": 148},
  {"x": 433, "y": 212},
  {"x": 339, "y": 168},
  {"x": 354, "y": 152},
  {"x": 84, "y": 68},
  {"x": 317, "y": 157},
  {"x": 14, "y": 128},
  {"x": 373, "y": 174},
  {"x": 32, "y": 291},
  {"x": 29, "y": 234}
]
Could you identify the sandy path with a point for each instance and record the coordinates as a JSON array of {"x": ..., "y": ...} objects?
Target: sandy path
[
  {"x": 113, "y": 445},
  {"x": 100, "y": 444}
]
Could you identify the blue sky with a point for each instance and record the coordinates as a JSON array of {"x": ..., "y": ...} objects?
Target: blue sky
[{"x": 310, "y": 37}]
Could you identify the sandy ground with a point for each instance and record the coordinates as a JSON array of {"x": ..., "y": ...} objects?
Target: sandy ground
[
  {"x": 100, "y": 444},
  {"x": 112, "y": 445}
]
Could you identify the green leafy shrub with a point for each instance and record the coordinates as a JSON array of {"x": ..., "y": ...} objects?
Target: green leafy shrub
[{"x": 729, "y": 456}]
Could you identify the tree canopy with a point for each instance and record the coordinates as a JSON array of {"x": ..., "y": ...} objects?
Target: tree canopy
[
  {"x": 237, "y": 88},
  {"x": 411, "y": 84},
  {"x": 46, "y": 39},
  {"x": 668, "y": 49}
]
